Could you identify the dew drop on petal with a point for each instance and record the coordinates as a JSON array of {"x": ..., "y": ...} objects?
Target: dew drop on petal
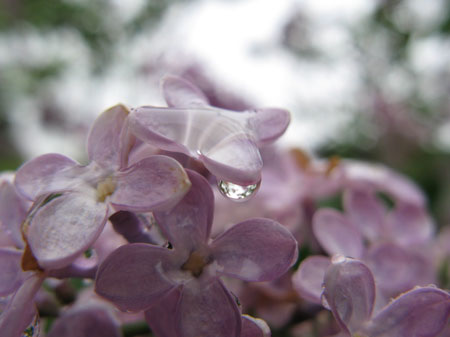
[{"x": 237, "y": 192}]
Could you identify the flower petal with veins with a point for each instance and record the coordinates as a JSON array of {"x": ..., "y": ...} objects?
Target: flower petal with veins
[
  {"x": 419, "y": 312},
  {"x": 44, "y": 175},
  {"x": 255, "y": 250},
  {"x": 349, "y": 289},
  {"x": 104, "y": 141},
  {"x": 154, "y": 183},
  {"x": 207, "y": 310},
  {"x": 188, "y": 224},
  {"x": 133, "y": 276},
  {"x": 64, "y": 228}
]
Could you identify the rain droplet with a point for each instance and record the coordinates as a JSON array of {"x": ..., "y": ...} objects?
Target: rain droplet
[{"x": 237, "y": 192}]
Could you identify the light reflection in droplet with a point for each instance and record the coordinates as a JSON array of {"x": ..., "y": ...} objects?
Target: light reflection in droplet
[{"x": 237, "y": 192}]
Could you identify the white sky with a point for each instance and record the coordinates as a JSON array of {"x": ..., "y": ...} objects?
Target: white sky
[{"x": 239, "y": 45}]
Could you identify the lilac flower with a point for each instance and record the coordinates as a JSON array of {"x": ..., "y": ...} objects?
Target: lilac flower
[
  {"x": 183, "y": 282},
  {"x": 349, "y": 292},
  {"x": 367, "y": 231},
  {"x": 19, "y": 287},
  {"x": 82, "y": 197},
  {"x": 226, "y": 142}
]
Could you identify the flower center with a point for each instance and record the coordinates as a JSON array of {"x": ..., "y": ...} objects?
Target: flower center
[
  {"x": 195, "y": 263},
  {"x": 105, "y": 188}
]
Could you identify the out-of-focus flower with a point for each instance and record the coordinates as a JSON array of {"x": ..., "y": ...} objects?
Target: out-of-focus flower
[
  {"x": 183, "y": 282},
  {"x": 391, "y": 242},
  {"x": 80, "y": 197},
  {"x": 349, "y": 292},
  {"x": 225, "y": 141}
]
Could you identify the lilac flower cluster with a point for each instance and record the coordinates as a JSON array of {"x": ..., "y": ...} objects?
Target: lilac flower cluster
[{"x": 152, "y": 240}]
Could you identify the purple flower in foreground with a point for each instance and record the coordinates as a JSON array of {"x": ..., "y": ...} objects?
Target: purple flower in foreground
[
  {"x": 349, "y": 292},
  {"x": 20, "y": 310},
  {"x": 182, "y": 285},
  {"x": 225, "y": 141},
  {"x": 82, "y": 196}
]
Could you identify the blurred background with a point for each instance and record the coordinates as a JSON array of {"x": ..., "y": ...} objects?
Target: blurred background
[{"x": 363, "y": 79}]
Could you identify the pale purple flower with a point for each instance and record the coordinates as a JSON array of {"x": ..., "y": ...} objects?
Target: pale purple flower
[
  {"x": 225, "y": 141},
  {"x": 368, "y": 231},
  {"x": 349, "y": 292},
  {"x": 184, "y": 282},
  {"x": 82, "y": 197}
]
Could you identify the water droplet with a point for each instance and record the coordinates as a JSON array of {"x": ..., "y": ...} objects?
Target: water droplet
[
  {"x": 237, "y": 192},
  {"x": 33, "y": 329}
]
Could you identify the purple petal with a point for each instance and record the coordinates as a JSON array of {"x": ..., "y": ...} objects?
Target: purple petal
[
  {"x": 235, "y": 159},
  {"x": 365, "y": 212},
  {"x": 21, "y": 309},
  {"x": 133, "y": 276},
  {"x": 254, "y": 327},
  {"x": 410, "y": 225},
  {"x": 64, "y": 228},
  {"x": 134, "y": 228},
  {"x": 93, "y": 321},
  {"x": 269, "y": 124},
  {"x": 13, "y": 210},
  {"x": 44, "y": 175},
  {"x": 398, "y": 269},
  {"x": 384, "y": 179},
  {"x": 11, "y": 276},
  {"x": 180, "y": 93},
  {"x": 349, "y": 289},
  {"x": 104, "y": 144},
  {"x": 207, "y": 310},
  {"x": 164, "y": 128},
  {"x": 219, "y": 138},
  {"x": 188, "y": 224},
  {"x": 420, "y": 312},
  {"x": 154, "y": 183},
  {"x": 161, "y": 316},
  {"x": 255, "y": 250},
  {"x": 308, "y": 279},
  {"x": 336, "y": 234}
]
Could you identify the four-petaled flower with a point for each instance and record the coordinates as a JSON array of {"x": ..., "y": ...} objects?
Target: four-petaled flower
[
  {"x": 80, "y": 198},
  {"x": 180, "y": 288},
  {"x": 225, "y": 141}
]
